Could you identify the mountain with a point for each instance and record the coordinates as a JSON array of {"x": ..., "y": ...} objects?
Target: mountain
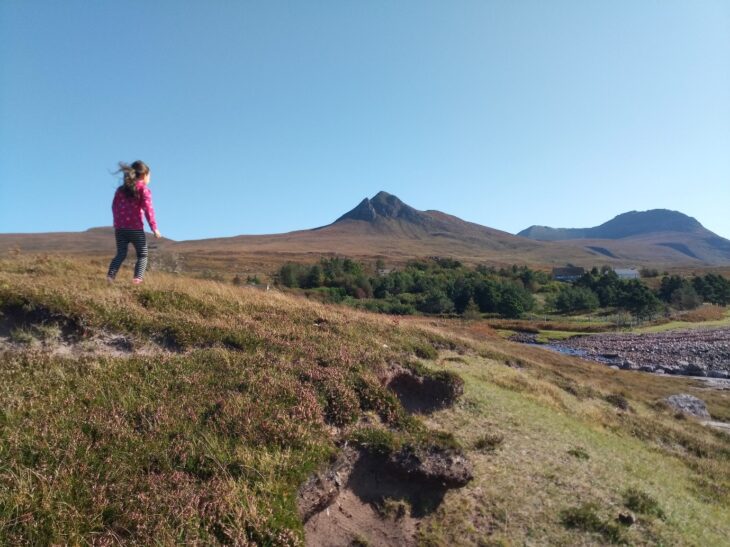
[
  {"x": 93, "y": 240},
  {"x": 385, "y": 227},
  {"x": 633, "y": 223},
  {"x": 657, "y": 235}
]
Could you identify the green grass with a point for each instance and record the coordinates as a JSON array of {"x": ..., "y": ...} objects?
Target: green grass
[
  {"x": 548, "y": 336},
  {"x": 561, "y": 453},
  {"x": 683, "y": 325}
]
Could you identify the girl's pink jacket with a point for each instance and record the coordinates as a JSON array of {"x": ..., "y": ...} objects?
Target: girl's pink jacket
[{"x": 128, "y": 211}]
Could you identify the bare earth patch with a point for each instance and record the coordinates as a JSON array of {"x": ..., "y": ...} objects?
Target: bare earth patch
[{"x": 363, "y": 499}]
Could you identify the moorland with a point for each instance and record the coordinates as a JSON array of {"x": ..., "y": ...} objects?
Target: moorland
[{"x": 198, "y": 411}]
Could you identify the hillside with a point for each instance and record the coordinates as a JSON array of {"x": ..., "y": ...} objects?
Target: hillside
[
  {"x": 188, "y": 411},
  {"x": 385, "y": 227},
  {"x": 658, "y": 236}
]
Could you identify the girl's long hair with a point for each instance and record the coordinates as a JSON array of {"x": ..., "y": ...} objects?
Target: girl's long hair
[{"x": 132, "y": 173}]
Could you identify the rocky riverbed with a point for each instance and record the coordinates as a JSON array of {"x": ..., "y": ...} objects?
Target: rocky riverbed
[{"x": 700, "y": 352}]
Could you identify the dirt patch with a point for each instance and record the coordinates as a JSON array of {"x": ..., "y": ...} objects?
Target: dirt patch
[
  {"x": 14, "y": 316},
  {"x": 371, "y": 499},
  {"x": 39, "y": 331},
  {"x": 425, "y": 394}
]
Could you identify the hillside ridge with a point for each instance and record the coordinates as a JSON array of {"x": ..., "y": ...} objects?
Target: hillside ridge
[{"x": 628, "y": 224}]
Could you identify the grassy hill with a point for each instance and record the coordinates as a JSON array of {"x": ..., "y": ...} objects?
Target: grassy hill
[
  {"x": 385, "y": 227},
  {"x": 189, "y": 411}
]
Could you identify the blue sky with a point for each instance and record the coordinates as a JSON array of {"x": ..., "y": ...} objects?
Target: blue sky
[{"x": 264, "y": 117}]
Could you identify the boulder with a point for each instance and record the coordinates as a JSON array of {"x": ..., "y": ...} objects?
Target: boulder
[{"x": 688, "y": 404}]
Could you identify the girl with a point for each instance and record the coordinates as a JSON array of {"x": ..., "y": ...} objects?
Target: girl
[{"x": 132, "y": 199}]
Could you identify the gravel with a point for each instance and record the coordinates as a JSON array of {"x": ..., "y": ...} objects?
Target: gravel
[{"x": 701, "y": 352}]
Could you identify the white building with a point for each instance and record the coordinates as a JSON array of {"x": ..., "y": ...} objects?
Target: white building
[{"x": 627, "y": 273}]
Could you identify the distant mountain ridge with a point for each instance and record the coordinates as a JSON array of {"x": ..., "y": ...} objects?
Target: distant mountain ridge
[
  {"x": 385, "y": 227},
  {"x": 633, "y": 223},
  {"x": 638, "y": 235}
]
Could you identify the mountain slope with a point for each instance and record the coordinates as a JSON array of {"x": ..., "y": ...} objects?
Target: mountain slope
[
  {"x": 633, "y": 223},
  {"x": 384, "y": 226},
  {"x": 658, "y": 235}
]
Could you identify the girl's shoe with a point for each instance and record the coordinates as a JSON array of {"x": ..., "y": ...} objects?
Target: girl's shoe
[
  {"x": 109, "y": 279},
  {"x": 136, "y": 281}
]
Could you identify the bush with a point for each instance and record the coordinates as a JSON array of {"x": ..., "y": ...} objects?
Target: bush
[
  {"x": 489, "y": 442},
  {"x": 573, "y": 299},
  {"x": 643, "y": 503},
  {"x": 586, "y": 519},
  {"x": 686, "y": 298}
]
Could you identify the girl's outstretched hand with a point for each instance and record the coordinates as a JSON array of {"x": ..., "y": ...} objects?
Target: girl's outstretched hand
[{"x": 158, "y": 235}]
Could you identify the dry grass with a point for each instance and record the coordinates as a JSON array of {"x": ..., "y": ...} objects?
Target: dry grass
[
  {"x": 206, "y": 439},
  {"x": 704, "y": 313}
]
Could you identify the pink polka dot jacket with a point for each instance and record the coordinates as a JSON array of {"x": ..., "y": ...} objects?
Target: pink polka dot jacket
[{"x": 128, "y": 211}]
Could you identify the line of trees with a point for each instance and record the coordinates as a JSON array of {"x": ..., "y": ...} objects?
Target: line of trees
[
  {"x": 437, "y": 286},
  {"x": 604, "y": 289},
  {"x": 445, "y": 286}
]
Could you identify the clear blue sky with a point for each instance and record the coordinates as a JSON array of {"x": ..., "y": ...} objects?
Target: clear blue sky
[{"x": 269, "y": 116}]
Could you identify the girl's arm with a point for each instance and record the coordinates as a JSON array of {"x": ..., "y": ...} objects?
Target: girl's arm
[{"x": 149, "y": 211}]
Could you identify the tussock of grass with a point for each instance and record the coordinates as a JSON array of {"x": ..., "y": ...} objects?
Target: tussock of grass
[
  {"x": 586, "y": 518},
  {"x": 641, "y": 502},
  {"x": 489, "y": 442}
]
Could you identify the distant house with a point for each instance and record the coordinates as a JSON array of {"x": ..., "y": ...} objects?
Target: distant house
[
  {"x": 569, "y": 273},
  {"x": 627, "y": 273},
  {"x": 382, "y": 272}
]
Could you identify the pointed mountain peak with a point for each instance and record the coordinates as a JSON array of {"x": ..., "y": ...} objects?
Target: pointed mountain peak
[{"x": 382, "y": 205}]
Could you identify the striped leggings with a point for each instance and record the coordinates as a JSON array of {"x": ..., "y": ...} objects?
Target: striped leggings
[{"x": 124, "y": 238}]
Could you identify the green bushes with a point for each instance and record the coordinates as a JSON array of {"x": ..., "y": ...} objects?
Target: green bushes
[
  {"x": 440, "y": 286},
  {"x": 573, "y": 299}
]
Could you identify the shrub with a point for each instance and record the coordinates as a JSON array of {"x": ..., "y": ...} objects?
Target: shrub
[
  {"x": 643, "y": 503},
  {"x": 585, "y": 518},
  {"x": 489, "y": 442},
  {"x": 377, "y": 441},
  {"x": 579, "y": 453},
  {"x": 618, "y": 400}
]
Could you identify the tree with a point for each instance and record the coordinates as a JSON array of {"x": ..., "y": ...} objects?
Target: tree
[
  {"x": 669, "y": 286},
  {"x": 571, "y": 299},
  {"x": 514, "y": 301},
  {"x": 686, "y": 298},
  {"x": 638, "y": 299},
  {"x": 436, "y": 301}
]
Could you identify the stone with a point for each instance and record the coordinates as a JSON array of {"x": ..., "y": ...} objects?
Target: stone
[{"x": 688, "y": 404}]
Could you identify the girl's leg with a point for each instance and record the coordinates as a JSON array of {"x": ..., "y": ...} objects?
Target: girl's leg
[
  {"x": 139, "y": 240},
  {"x": 122, "y": 244}
]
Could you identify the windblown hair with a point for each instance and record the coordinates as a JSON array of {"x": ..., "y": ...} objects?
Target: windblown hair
[{"x": 132, "y": 174}]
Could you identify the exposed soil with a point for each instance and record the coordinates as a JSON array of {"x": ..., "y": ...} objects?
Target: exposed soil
[
  {"x": 700, "y": 352},
  {"x": 422, "y": 395},
  {"x": 374, "y": 500},
  {"x": 65, "y": 338}
]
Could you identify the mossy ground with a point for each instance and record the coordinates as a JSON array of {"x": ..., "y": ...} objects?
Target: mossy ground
[{"x": 207, "y": 439}]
